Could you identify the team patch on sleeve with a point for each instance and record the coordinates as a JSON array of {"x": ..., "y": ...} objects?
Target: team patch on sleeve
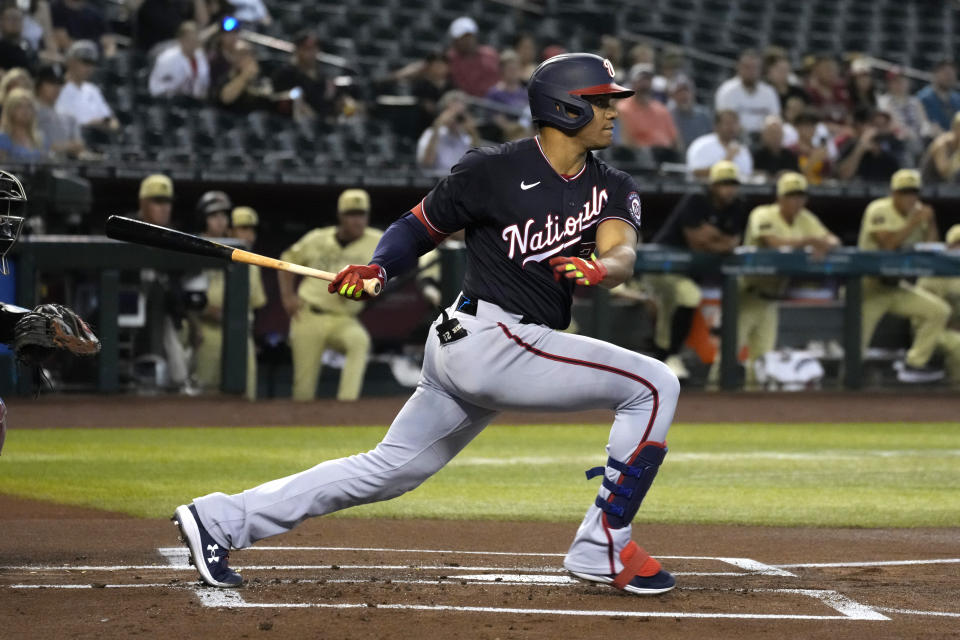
[{"x": 633, "y": 206}]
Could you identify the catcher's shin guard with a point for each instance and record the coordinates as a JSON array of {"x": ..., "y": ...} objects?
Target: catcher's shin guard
[{"x": 634, "y": 481}]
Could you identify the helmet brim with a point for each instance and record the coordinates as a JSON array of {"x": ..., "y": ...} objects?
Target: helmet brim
[{"x": 609, "y": 89}]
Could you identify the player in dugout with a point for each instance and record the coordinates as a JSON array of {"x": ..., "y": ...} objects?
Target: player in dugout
[
  {"x": 787, "y": 223},
  {"x": 894, "y": 223},
  {"x": 710, "y": 221},
  {"x": 319, "y": 321}
]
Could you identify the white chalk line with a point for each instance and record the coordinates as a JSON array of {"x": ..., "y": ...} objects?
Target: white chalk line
[
  {"x": 913, "y": 612},
  {"x": 849, "y": 610},
  {"x": 873, "y": 563},
  {"x": 831, "y": 455}
]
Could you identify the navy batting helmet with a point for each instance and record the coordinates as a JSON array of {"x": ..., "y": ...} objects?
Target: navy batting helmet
[{"x": 557, "y": 84}]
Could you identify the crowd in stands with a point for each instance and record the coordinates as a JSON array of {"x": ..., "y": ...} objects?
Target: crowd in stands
[{"x": 830, "y": 118}]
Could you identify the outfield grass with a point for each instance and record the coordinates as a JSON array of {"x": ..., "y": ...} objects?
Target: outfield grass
[{"x": 862, "y": 475}]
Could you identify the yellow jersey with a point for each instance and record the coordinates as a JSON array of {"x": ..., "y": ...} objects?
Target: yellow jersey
[
  {"x": 881, "y": 215},
  {"x": 320, "y": 249},
  {"x": 215, "y": 289},
  {"x": 766, "y": 220}
]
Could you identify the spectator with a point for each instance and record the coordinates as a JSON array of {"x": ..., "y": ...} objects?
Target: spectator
[
  {"x": 156, "y": 200},
  {"x": 251, "y": 12},
  {"x": 691, "y": 119},
  {"x": 909, "y": 116},
  {"x": 75, "y": 20},
  {"x": 827, "y": 92},
  {"x": 948, "y": 289},
  {"x": 777, "y": 73},
  {"x": 158, "y": 20},
  {"x": 61, "y": 132},
  {"x": 14, "y": 49},
  {"x": 895, "y": 223},
  {"x": 474, "y": 67},
  {"x": 671, "y": 67},
  {"x": 642, "y": 53},
  {"x": 940, "y": 98},
  {"x": 745, "y": 93},
  {"x": 861, "y": 89},
  {"x": 723, "y": 144},
  {"x": 319, "y": 321},
  {"x": 221, "y": 54},
  {"x": 812, "y": 149},
  {"x": 433, "y": 83},
  {"x": 38, "y": 28},
  {"x": 182, "y": 69},
  {"x": 873, "y": 153},
  {"x": 785, "y": 224},
  {"x": 525, "y": 46},
  {"x": 243, "y": 89},
  {"x": 709, "y": 221},
  {"x": 645, "y": 122},
  {"x": 452, "y": 133},
  {"x": 770, "y": 158},
  {"x": 20, "y": 140},
  {"x": 80, "y": 98},
  {"x": 943, "y": 156},
  {"x": 611, "y": 48},
  {"x": 15, "y": 79},
  {"x": 304, "y": 71},
  {"x": 511, "y": 93}
]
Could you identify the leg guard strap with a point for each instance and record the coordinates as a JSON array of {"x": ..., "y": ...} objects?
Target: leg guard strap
[
  {"x": 627, "y": 493},
  {"x": 636, "y": 562}
]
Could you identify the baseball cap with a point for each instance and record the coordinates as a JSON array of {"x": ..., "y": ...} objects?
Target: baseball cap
[
  {"x": 724, "y": 172},
  {"x": 680, "y": 81},
  {"x": 353, "y": 200},
  {"x": 953, "y": 235},
  {"x": 906, "y": 180},
  {"x": 462, "y": 26},
  {"x": 156, "y": 186},
  {"x": 860, "y": 65},
  {"x": 214, "y": 202},
  {"x": 244, "y": 217},
  {"x": 85, "y": 51},
  {"x": 791, "y": 183}
]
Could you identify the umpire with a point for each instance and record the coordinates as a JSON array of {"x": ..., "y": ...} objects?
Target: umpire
[
  {"x": 319, "y": 321},
  {"x": 710, "y": 221}
]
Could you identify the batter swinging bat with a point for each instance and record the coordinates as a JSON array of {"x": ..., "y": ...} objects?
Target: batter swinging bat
[{"x": 139, "y": 232}]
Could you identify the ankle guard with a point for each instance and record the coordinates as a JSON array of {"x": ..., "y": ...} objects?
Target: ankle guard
[{"x": 635, "y": 479}]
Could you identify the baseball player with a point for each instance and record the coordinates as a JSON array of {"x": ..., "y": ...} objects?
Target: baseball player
[
  {"x": 785, "y": 223},
  {"x": 711, "y": 221},
  {"x": 319, "y": 321},
  {"x": 948, "y": 289},
  {"x": 244, "y": 221},
  {"x": 49, "y": 328},
  {"x": 542, "y": 216},
  {"x": 889, "y": 224}
]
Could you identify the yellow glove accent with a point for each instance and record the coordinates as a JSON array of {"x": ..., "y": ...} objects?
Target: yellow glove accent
[
  {"x": 579, "y": 274},
  {"x": 586, "y": 283},
  {"x": 343, "y": 289},
  {"x": 569, "y": 267},
  {"x": 350, "y": 290},
  {"x": 358, "y": 293}
]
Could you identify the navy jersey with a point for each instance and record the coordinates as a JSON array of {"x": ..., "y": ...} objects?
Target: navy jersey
[
  {"x": 695, "y": 209},
  {"x": 518, "y": 213}
]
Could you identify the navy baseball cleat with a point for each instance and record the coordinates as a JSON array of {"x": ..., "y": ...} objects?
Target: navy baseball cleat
[
  {"x": 641, "y": 575},
  {"x": 206, "y": 555}
]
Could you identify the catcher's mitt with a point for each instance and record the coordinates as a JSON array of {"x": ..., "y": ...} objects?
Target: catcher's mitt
[{"x": 50, "y": 328}]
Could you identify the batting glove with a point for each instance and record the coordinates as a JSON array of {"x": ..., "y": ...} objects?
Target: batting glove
[
  {"x": 586, "y": 272},
  {"x": 349, "y": 282}
]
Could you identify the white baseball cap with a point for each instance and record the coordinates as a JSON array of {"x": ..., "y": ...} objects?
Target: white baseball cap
[{"x": 462, "y": 26}]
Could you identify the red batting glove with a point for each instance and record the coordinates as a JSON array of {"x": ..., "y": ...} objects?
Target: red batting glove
[
  {"x": 349, "y": 282},
  {"x": 586, "y": 272}
]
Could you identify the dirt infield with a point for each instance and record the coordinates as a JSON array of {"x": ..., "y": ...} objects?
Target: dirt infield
[{"x": 79, "y": 573}]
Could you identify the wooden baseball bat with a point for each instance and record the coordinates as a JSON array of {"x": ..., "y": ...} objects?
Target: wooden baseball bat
[{"x": 140, "y": 232}]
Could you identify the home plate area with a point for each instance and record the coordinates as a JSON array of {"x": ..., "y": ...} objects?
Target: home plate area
[
  {"x": 508, "y": 583},
  {"x": 479, "y": 582}
]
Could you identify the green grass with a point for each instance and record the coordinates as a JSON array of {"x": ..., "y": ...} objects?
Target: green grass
[{"x": 862, "y": 475}]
